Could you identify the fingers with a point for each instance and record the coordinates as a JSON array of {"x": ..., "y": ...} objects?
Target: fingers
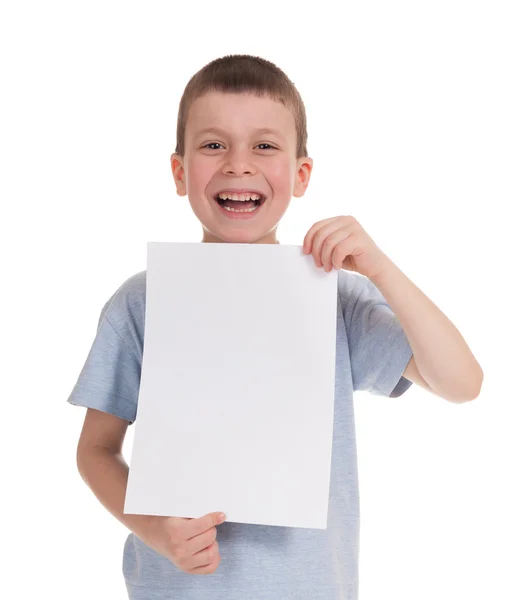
[
  {"x": 192, "y": 544},
  {"x": 308, "y": 239},
  {"x": 203, "y": 524},
  {"x": 320, "y": 239},
  {"x": 328, "y": 250},
  {"x": 204, "y": 562},
  {"x": 202, "y": 541}
]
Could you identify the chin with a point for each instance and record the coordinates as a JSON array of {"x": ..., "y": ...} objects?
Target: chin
[
  {"x": 233, "y": 235},
  {"x": 243, "y": 237}
]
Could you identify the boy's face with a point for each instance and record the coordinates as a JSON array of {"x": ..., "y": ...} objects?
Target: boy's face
[{"x": 224, "y": 151}]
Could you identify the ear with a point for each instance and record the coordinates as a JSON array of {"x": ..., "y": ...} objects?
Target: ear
[
  {"x": 178, "y": 174},
  {"x": 302, "y": 177}
]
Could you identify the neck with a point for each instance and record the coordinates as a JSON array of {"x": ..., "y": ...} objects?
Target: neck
[{"x": 208, "y": 237}]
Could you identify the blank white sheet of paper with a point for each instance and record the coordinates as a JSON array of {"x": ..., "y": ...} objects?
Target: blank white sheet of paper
[{"x": 236, "y": 400}]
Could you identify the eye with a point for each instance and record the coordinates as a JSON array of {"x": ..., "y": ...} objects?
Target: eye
[{"x": 218, "y": 144}]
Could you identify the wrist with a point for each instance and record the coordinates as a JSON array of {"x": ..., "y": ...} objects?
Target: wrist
[{"x": 142, "y": 526}]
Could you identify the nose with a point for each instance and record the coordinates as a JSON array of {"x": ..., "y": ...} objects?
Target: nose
[{"x": 238, "y": 162}]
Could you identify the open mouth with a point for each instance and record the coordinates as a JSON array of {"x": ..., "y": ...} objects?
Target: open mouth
[{"x": 241, "y": 206}]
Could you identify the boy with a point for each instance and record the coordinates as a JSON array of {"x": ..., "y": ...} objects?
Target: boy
[{"x": 240, "y": 156}]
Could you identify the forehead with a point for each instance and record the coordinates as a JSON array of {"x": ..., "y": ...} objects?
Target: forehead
[{"x": 238, "y": 113}]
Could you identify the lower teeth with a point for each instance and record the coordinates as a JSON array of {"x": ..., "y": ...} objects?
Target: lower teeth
[{"x": 247, "y": 210}]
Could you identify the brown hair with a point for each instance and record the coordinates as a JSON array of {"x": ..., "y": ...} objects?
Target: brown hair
[{"x": 242, "y": 73}]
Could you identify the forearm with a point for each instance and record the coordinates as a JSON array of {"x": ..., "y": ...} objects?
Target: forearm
[
  {"x": 106, "y": 474},
  {"x": 442, "y": 356}
]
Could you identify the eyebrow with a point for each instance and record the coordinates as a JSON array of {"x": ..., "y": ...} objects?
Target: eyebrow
[{"x": 223, "y": 132}]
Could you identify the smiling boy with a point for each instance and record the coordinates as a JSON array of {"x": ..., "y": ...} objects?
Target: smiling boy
[
  {"x": 236, "y": 143},
  {"x": 240, "y": 157}
]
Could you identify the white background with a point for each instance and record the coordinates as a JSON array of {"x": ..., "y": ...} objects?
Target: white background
[{"x": 417, "y": 126}]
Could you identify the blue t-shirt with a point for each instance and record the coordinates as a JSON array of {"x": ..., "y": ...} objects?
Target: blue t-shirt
[{"x": 260, "y": 562}]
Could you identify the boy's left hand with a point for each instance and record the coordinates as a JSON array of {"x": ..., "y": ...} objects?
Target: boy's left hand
[{"x": 342, "y": 243}]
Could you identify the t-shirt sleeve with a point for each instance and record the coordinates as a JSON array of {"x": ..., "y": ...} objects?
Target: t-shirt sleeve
[
  {"x": 109, "y": 380},
  {"x": 379, "y": 348}
]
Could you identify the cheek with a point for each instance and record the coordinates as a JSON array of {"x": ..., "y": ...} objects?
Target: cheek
[
  {"x": 198, "y": 175},
  {"x": 281, "y": 174}
]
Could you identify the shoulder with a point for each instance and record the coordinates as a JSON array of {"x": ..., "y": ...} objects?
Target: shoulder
[
  {"x": 124, "y": 311},
  {"x": 128, "y": 299}
]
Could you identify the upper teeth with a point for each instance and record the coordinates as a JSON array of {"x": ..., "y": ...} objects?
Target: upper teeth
[{"x": 239, "y": 197}]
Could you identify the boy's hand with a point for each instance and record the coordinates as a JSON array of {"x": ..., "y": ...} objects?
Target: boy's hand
[
  {"x": 189, "y": 543},
  {"x": 341, "y": 242}
]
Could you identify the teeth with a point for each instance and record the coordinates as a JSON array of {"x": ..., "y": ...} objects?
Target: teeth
[
  {"x": 248, "y": 210},
  {"x": 239, "y": 197}
]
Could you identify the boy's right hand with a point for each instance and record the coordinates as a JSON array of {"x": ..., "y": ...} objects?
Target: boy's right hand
[{"x": 189, "y": 543}]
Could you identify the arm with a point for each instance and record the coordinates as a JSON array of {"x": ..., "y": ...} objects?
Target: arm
[
  {"x": 441, "y": 358},
  {"x": 103, "y": 468},
  {"x": 444, "y": 363},
  {"x": 190, "y": 544}
]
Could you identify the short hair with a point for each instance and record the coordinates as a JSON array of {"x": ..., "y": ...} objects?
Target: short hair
[{"x": 243, "y": 73}]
